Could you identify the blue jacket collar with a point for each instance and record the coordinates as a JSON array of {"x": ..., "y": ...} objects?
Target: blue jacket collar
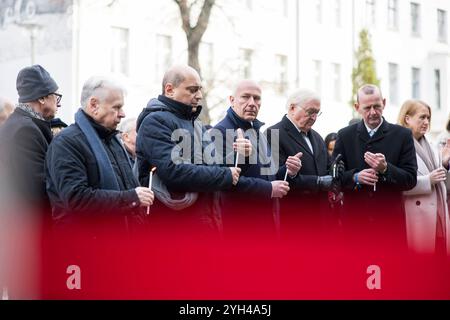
[
  {"x": 241, "y": 123},
  {"x": 181, "y": 109}
]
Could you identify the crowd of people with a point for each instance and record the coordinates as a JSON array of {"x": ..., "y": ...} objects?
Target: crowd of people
[{"x": 165, "y": 170}]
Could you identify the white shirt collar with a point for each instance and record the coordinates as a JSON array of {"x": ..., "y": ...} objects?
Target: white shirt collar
[
  {"x": 299, "y": 130},
  {"x": 374, "y": 130}
]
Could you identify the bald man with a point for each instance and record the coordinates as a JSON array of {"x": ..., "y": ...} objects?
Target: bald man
[
  {"x": 250, "y": 207},
  {"x": 183, "y": 182}
]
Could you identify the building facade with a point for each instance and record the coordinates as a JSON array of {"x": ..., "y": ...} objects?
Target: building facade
[{"x": 283, "y": 44}]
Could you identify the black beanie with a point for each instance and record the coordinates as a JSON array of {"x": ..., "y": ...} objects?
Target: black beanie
[{"x": 33, "y": 83}]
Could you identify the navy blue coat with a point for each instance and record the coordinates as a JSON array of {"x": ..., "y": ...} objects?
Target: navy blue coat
[
  {"x": 162, "y": 118},
  {"x": 73, "y": 180},
  {"x": 249, "y": 204},
  {"x": 154, "y": 148}
]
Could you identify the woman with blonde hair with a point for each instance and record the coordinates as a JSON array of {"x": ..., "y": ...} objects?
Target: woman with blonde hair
[{"x": 427, "y": 217}]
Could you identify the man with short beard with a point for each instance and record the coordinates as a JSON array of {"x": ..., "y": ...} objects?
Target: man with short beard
[{"x": 184, "y": 183}]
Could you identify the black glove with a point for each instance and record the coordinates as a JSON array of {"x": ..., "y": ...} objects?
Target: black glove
[
  {"x": 337, "y": 168},
  {"x": 325, "y": 183},
  {"x": 333, "y": 181}
]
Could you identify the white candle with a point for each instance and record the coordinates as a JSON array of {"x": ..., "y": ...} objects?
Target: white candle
[
  {"x": 286, "y": 175},
  {"x": 237, "y": 160},
  {"x": 150, "y": 187}
]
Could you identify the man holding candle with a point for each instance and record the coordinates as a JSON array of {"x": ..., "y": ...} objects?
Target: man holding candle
[
  {"x": 89, "y": 178},
  {"x": 170, "y": 138},
  {"x": 306, "y": 206},
  {"x": 380, "y": 163},
  {"x": 252, "y": 204}
]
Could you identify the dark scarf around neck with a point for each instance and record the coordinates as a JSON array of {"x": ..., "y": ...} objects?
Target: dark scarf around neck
[{"x": 108, "y": 180}]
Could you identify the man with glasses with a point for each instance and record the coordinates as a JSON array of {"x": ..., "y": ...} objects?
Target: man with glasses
[
  {"x": 380, "y": 163},
  {"x": 306, "y": 206},
  {"x": 26, "y": 135}
]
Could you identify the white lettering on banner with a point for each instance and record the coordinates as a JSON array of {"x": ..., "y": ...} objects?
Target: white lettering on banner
[
  {"x": 374, "y": 281},
  {"x": 74, "y": 280}
]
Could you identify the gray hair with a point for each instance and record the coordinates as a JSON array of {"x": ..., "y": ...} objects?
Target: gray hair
[
  {"x": 127, "y": 125},
  {"x": 300, "y": 97},
  {"x": 99, "y": 87}
]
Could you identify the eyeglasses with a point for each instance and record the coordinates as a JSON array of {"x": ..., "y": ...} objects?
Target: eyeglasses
[
  {"x": 311, "y": 113},
  {"x": 58, "y": 97}
]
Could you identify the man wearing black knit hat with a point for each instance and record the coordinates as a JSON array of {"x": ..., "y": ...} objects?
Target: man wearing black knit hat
[{"x": 25, "y": 136}]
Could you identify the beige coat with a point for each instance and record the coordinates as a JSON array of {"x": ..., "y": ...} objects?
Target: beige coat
[{"x": 421, "y": 211}]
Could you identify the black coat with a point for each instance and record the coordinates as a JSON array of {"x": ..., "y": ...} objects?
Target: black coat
[
  {"x": 252, "y": 180},
  {"x": 154, "y": 146},
  {"x": 305, "y": 202},
  {"x": 23, "y": 143},
  {"x": 396, "y": 143},
  {"x": 249, "y": 204},
  {"x": 314, "y": 164},
  {"x": 73, "y": 181}
]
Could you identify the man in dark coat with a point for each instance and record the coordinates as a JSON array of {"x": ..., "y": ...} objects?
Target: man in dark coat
[
  {"x": 25, "y": 136},
  {"x": 380, "y": 163},
  {"x": 89, "y": 177},
  {"x": 24, "y": 139},
  {"x": 306, "y": 205},
  {"x": 170, "y": 139},
  {"x": 252, "y": 205}
]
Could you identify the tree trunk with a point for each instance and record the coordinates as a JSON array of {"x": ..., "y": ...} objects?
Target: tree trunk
[
  {"x": 194, "y": 36},
  {"x": 194, "y": 62}
]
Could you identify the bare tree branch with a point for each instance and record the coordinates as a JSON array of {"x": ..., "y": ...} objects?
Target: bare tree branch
[
  {"x": 194, "y": 34},
  {"x": 185, "y": 12}
]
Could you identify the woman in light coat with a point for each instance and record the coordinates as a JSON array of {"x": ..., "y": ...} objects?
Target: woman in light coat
[{"x": 427, "y": 217}]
